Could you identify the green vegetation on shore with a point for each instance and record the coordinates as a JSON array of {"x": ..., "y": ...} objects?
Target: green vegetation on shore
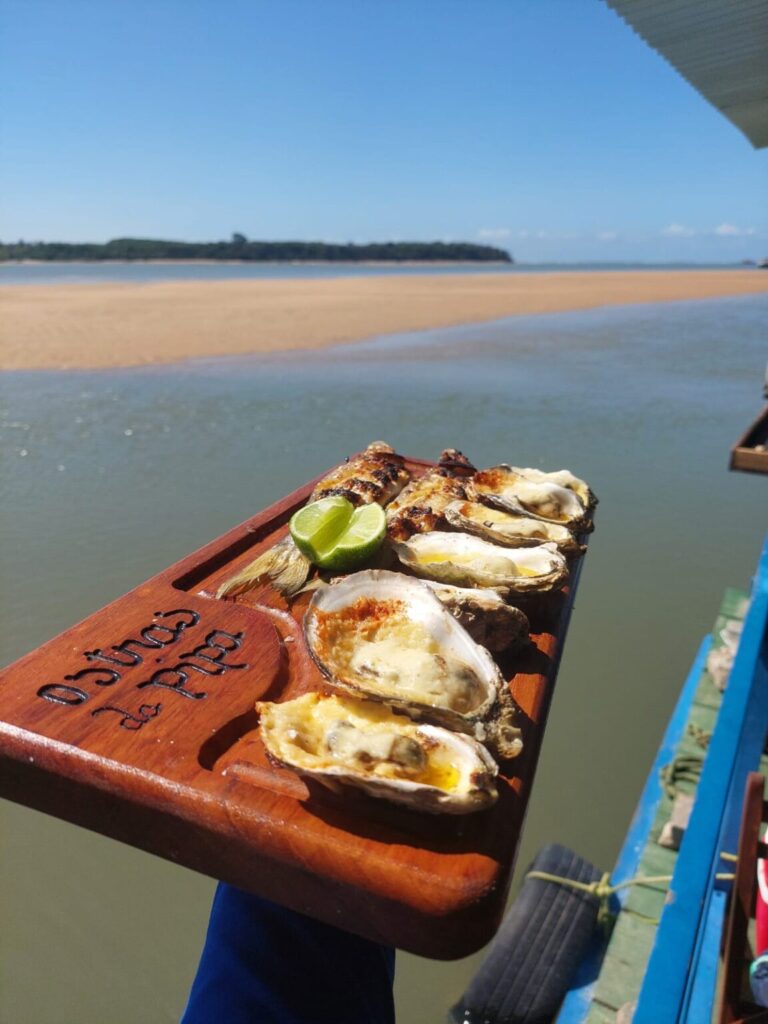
[{"x": 240, "y": 248}]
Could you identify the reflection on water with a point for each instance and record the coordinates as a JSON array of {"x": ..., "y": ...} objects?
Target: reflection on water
[{"x": 110, "y": 476}]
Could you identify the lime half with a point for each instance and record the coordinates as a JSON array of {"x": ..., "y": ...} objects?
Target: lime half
[{"x": 334, "y": 534}]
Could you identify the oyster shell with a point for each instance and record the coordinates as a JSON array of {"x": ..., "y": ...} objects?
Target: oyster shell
[
  {"x": 465, "y": 560},
  {"x": 420, "y": 506},
  {"x": 363, "y": 744},
  {"x": 563, "y": 478},
  {"x": 485, "y": 615},
  {"x": 386, "y": 637},
  {"x": 507, "y": 488},
  {"x": 508, "y": 529}
]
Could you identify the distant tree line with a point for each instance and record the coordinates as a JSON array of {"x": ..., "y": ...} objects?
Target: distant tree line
[{"x": 240, "y": 248}]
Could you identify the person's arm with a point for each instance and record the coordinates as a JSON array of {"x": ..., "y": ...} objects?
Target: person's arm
[{"x": 263, "y": 964}]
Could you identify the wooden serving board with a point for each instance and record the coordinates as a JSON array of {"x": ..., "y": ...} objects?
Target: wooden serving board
[{"x": 139, "y": 723}]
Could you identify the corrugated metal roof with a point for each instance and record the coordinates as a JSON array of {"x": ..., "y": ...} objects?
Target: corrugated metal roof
[{"x": 719, "y": 46}]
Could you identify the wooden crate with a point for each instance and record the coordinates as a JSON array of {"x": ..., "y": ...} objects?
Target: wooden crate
[
  {"x": 139, "y": 723},
  {"x": 750, "y": 453}
]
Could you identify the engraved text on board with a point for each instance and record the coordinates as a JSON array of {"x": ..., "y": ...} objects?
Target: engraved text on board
[{"x": 189, "y": 678}]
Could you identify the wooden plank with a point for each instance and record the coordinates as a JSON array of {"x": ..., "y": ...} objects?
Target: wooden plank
[
  {"x": 622, "y": 982},
  {"x": 657, "y": 860},
  {"x": 647, "y": 900},
  {"x": 601, "y": 1014},
  {"x": 708, "y": 695},
  {"x": 631, "y": 944},
  {"x": 139, "y": 723},
  {"x": 700, "y": 724}
]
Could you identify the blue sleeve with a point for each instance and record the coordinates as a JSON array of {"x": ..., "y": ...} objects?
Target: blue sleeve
[{"x": 263, "y": 964}]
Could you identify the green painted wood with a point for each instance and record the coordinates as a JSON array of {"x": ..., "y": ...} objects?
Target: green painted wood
[
  {"x": 631, "y": 945},
  {"x": 662, "y": 816},
  {"x": 646, "y": 900},
  {"x": 599, "y": 1014},
  {"x": 622, "y": 983},
  {"x": 630, "y": 932},
  {"x": 657, "y": 860},
  {"x": 702, "y": 716},
  {"x": 707, "y": 694},
  {"x": 735, "y": 603}
]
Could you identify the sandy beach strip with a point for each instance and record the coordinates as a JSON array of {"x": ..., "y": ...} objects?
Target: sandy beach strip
[{"x": 109, "y": 325}]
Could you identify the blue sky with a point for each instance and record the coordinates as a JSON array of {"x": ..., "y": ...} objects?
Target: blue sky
[{"x": 545, "y": 126}]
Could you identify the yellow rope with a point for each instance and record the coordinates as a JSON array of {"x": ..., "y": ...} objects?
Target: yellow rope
[{"x": 603, "y": 890}]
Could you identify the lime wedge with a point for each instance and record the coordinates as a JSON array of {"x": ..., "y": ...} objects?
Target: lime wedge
[
  {"x": 334, "y": 534},
  {"x": 359, "y": 541},
  {"x": 316, "y": 527}
]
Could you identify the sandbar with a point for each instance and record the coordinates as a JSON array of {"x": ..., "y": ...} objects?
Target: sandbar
[{"x": 90, "y": 326}]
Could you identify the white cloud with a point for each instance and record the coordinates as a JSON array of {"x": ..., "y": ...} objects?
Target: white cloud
[
  {"x": 495, "y": 233},
  {"x": 607, "y": 236},
  {"x": 678, "y": 231},
  {"x": 730, "y": 230},
  {"x": 546, "y": 235}
]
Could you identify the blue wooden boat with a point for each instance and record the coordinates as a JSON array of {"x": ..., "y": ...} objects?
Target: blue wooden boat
[
  {"x": 680, "y": 976},
  {"x": 660, "y": 960}
]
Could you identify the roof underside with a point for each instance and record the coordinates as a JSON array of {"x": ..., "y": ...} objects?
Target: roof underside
[{"x": 719, "y": 46}]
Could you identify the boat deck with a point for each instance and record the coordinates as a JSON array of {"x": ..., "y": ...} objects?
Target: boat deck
[{"x": 622, "y": 965}]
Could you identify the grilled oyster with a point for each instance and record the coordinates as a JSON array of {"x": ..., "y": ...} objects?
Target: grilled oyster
[
  {"x": 508, "y": 529},
  {"x": 363, "y": 744},
  {"x": 464, "y": 560},
  {"x": 375, "y": 475},
  {"x": 421, "y": 505},
  {"x": 506, "y": 488},
  {"x": 385, "y": 636},
  {"x": 485, "y": 615},
  {"x": 563, "y": 478}
]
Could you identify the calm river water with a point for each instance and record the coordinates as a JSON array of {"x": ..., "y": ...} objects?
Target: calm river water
[
  {"x": 110, "y": 476},
  {"x": 138, "y": 271}
]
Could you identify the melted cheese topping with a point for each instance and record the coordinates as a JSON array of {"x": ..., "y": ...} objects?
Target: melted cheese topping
[
  {"x": 548, "y": 500},
  {"x": 506, "y": 524},
  {"x": 498, "y": 565},
  {"x": 388, "y": 654},
  {"x": 424, "y": 674},
  {"x": 486, "y": 514},
  {"x": 318, "y": 732}
]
